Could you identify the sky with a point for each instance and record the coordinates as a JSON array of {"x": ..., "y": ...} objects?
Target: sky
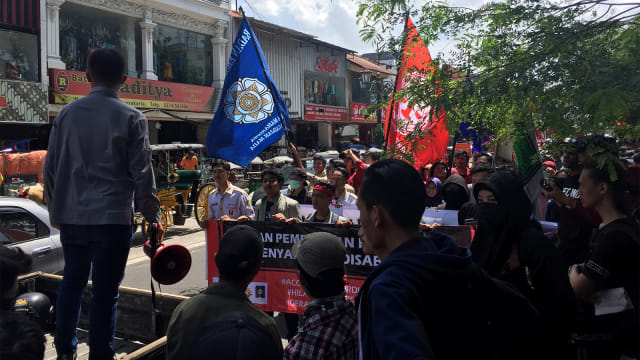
[{"x": 332, "y": 21}]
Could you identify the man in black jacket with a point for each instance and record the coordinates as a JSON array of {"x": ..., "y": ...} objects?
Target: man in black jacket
[{"x": 427, "y": 298}]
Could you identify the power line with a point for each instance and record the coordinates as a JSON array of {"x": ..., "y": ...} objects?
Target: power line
[{"x": 254, "y": 10}]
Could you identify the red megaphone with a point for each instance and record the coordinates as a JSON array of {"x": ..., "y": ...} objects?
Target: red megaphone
[{"x": 169, "y": 263}]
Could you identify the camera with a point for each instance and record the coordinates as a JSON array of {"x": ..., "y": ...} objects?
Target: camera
[{"x": 546, "y": 183}]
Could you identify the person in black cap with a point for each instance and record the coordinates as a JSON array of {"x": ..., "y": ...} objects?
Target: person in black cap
[
  {"x": 329, "y": 329},
  {"x": 238, "y": 259}
]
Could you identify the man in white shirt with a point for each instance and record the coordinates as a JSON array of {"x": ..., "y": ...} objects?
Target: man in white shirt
[
  {"x": 227, "y": 201},
  {"x": 342, "y": 197}
]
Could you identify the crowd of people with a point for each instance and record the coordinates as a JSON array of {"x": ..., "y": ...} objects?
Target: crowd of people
[
  {"x": 515, "y": 293},
  {"x": 597, "y": 241}
]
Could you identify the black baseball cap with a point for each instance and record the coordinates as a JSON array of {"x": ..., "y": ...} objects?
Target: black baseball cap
[{"x": 239, "y": 247}]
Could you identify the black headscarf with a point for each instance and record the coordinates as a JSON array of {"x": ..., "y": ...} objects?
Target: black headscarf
[{"x": 499, "y": 226}]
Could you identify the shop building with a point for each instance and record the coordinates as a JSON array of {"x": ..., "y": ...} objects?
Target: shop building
[
  {"x": 23, "y": 80},
  {"x": 326, "y": 100},
  {"x": 312, "y": 76},
  {"x": 368, "y": 83},
  {"x": 176, "y": 55}
]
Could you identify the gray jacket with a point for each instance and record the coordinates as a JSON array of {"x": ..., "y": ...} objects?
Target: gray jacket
[
  {"x": 98, "y": 158},
  {"x": 283, "y": 205}
]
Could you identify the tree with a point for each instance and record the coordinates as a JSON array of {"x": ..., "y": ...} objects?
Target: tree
[{"x": 569, "y": 67}]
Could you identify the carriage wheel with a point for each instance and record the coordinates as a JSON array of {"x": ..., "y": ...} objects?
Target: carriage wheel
[
  {"x": 202, "y": 204},
  {"x": 164, "y": 220}
]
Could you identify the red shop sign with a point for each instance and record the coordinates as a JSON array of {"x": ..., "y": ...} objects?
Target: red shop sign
[
  {"x": 357, "y": 114},
  {"x": 325, "y": 113},
  {"x": 325, "y": 64},
  {"x": 140, "y": 93}
]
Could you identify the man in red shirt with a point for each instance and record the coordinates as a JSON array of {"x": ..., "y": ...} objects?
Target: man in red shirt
[
  {"x": 461, "y": 162},
  {"x": 356, "y": 177}
]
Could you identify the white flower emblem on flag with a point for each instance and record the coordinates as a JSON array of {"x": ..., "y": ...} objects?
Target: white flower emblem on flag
[
  {"x": 248, "y": 101},
  {"x": 410, "y": 118}
]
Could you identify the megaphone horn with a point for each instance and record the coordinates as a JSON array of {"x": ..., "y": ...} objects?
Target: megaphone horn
[{"x": 169, "y": 263}]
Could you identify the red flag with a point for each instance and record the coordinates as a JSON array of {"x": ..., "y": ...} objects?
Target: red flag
[{"x": 416, "y": 61}]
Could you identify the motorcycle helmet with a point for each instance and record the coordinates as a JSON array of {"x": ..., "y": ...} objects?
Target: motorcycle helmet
[{"x": 37, "y": 306}]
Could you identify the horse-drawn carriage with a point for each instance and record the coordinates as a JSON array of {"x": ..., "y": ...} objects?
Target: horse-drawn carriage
[{"x": 181, "y": 192}]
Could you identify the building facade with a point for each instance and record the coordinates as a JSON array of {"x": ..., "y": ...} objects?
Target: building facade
[
  {"x": 369, "y": 84},
  {"x": 176, "y": 54},
  {"x": 23, "y": 73},
  {"x": 320, "y": 84}
]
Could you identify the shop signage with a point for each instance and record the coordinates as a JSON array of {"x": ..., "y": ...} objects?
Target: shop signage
[
  {"x": 357, "y": 114},
  {"x": 325, "y": 113},
  {"x": 325, "y": 64},
  {"x": 24, "y": 102},
  {"x": 140, "y": 93}
]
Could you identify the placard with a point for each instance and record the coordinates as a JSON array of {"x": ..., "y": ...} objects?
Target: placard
[{"x": 277, "y": 287}]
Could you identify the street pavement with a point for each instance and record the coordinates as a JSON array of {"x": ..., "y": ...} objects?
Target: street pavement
[{"x": 191, "y": 236}]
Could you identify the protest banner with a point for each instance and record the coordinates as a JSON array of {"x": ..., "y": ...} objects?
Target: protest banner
[{"x": 276, "y": 287}]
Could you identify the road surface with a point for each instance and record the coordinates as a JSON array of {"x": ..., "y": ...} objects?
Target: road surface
[{"x": 190, "y": 235}]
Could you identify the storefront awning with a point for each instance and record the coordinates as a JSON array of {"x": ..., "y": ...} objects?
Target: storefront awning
[
  {"x": 360, "y": 63},
  {"x": 158, "y": 115}
]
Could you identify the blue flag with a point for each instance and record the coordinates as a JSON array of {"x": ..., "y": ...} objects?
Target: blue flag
[{"x": 252, "y": 114}]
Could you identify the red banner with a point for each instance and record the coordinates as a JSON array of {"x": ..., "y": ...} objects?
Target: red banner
[
  {"x": 325, "y": 113},
  {"x": 140, "y": 93},
  {"x": 276, "y": 287},
  {"x": 405, "y": 119}
]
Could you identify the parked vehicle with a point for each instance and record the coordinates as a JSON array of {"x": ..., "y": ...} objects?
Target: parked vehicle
[
  {"x": 25, "y": 224},
  {"x": 142, "y": 319}
]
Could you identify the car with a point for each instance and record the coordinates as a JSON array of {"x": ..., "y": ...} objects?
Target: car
[{"x": 25, "y": 224}]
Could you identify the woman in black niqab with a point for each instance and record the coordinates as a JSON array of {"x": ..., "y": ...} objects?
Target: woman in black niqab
[{"x": 510, "y": 245}]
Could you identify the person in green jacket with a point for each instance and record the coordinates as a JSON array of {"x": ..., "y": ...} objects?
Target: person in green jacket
[{"x": 238, "y": 259}]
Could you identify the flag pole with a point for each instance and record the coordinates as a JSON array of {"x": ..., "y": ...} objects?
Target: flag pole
[
  {"x": 264, "y": 72},
  {"x": 395, "y": 88}
]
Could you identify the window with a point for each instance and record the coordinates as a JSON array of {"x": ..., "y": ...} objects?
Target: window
[
  {"x": 19, "y": 56},
  {"x": 182, "y": 56},
  {"x": 18, "y": 226},
  {"x": 83, "y": 29},
  {"x": 360, "y": 91},
  {"x": 323, "y": 90}
]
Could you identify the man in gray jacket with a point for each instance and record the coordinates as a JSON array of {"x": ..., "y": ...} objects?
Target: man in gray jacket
[
  {"x": 274, "y": 206},
  {"x": 98, "y": 164}
]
